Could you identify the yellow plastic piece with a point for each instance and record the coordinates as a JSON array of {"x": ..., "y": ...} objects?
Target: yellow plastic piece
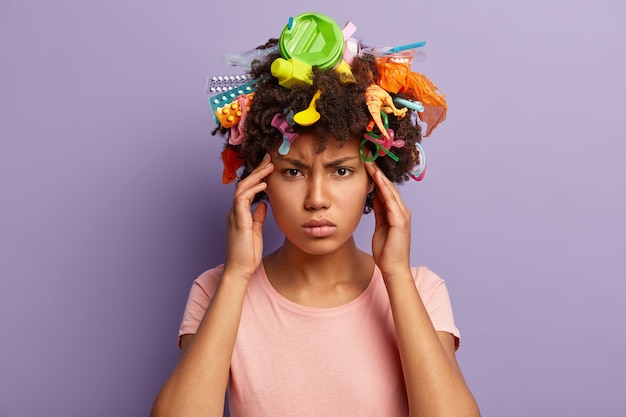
[
  {"x": 291, "y": 72},
  {"x": 309, "y": 115},
  {"x": 344, "y": 69}
]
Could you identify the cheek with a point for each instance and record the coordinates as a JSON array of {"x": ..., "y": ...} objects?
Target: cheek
[{"x": 354, "y": 194}]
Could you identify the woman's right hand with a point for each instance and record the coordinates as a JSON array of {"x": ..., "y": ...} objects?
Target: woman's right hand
[{"x": 244, "y": 226}]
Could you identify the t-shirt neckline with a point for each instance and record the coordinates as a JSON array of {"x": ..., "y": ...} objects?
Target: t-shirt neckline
[{"x": 299, "y": 308}]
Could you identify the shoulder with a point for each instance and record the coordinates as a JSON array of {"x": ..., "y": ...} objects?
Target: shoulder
[
  {"x": 200, "y": 295},
  {"x": 425, "y": 279},
  {"x": 207, "y": 281}
]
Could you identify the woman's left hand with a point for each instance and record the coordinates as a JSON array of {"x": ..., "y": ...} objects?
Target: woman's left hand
[{"x": 392, "y": 235}]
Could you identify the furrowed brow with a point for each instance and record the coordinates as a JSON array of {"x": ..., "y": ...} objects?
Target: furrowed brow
[
  {"x": 295, "y": 162},
  {"x": 339, "y": 162},
  {"x": 332, "y": 164}
]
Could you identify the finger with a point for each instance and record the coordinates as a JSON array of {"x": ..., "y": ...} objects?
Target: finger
[
  {"x": 261, "y": 171},
  {"x": 396, "y": 213},
  {"x": 378, "y": 175},
  {"x": 253, "y": 183},
  {"x": 243, "y": 202},
  {"x": 249, "y": 190},
  {"x": 380, "y": 213},
  {"x": 385, "y": 187}
]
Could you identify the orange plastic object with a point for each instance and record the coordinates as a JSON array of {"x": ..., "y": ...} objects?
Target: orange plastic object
[
  {"x": 377, "y": 100},
  {"x": 397, "y": 77},
  {"x": 232, "y": 162},
  {"x": 229, "y": 115}
]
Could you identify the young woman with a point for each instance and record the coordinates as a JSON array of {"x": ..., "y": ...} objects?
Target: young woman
[{"x": 319, "y": 327}]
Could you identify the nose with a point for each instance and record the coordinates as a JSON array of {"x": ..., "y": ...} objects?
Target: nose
[{"x": 317, "y": 195}]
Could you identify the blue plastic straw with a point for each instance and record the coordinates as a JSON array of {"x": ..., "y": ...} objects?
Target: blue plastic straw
[{"x": 405, "y": 47}]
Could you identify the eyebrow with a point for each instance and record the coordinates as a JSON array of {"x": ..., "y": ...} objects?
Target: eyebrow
[{"x": 332, "y": 164}]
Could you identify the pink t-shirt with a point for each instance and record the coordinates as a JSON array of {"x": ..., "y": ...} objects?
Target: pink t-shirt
[{"x": 291, "y": 360}]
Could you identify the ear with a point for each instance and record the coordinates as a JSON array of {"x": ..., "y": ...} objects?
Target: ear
[{"x": 370, "y": 188}]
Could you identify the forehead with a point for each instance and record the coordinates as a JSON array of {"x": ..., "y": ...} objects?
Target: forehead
[{"x": 308, "y": 146}]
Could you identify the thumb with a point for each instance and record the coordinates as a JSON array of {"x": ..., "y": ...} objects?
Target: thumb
[{"x": 258, "y": 216}]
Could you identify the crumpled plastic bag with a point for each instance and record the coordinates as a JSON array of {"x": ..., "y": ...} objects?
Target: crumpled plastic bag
[
  {"x": 232, "y": 162},
  {"x": 397, "y": 77}
]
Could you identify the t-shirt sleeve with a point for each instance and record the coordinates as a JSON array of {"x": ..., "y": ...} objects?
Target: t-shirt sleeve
[
  {"x": 436, "y": 299},
  {"x": 200, "y": 295}
]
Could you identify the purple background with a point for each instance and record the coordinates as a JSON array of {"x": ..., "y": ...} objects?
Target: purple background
[{"x": 112, "y": 202}]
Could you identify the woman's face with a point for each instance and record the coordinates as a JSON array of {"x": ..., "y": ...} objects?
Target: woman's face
[{"x": 318, "y": 198}]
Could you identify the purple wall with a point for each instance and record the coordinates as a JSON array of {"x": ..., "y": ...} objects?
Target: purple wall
[{"x": 111, "y": 200}]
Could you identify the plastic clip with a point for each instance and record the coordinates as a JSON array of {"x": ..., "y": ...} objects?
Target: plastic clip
[
  {"x": 281, "y": 123},
  {"x": 418, "y": 172}
]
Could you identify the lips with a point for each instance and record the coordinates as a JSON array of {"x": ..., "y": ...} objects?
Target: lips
[{"x": 319, "y": 228}]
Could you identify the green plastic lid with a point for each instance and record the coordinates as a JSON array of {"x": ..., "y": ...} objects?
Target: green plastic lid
[{"x": 313, "y": 38}]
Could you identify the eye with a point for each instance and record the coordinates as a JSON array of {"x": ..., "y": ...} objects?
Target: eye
[
  {"x": 343, "y": 172},
  {"x": 292, "y": 172}
]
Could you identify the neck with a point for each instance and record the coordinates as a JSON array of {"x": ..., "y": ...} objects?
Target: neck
[
  {"x": 327, "y": 280},
  {"x": 327, "y": 267}
]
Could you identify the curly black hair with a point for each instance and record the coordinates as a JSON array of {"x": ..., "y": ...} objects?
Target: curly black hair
[{"x": 343, "y": 109}]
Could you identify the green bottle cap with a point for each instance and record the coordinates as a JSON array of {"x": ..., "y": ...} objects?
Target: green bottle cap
[{"x": 313, "y": 38}]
